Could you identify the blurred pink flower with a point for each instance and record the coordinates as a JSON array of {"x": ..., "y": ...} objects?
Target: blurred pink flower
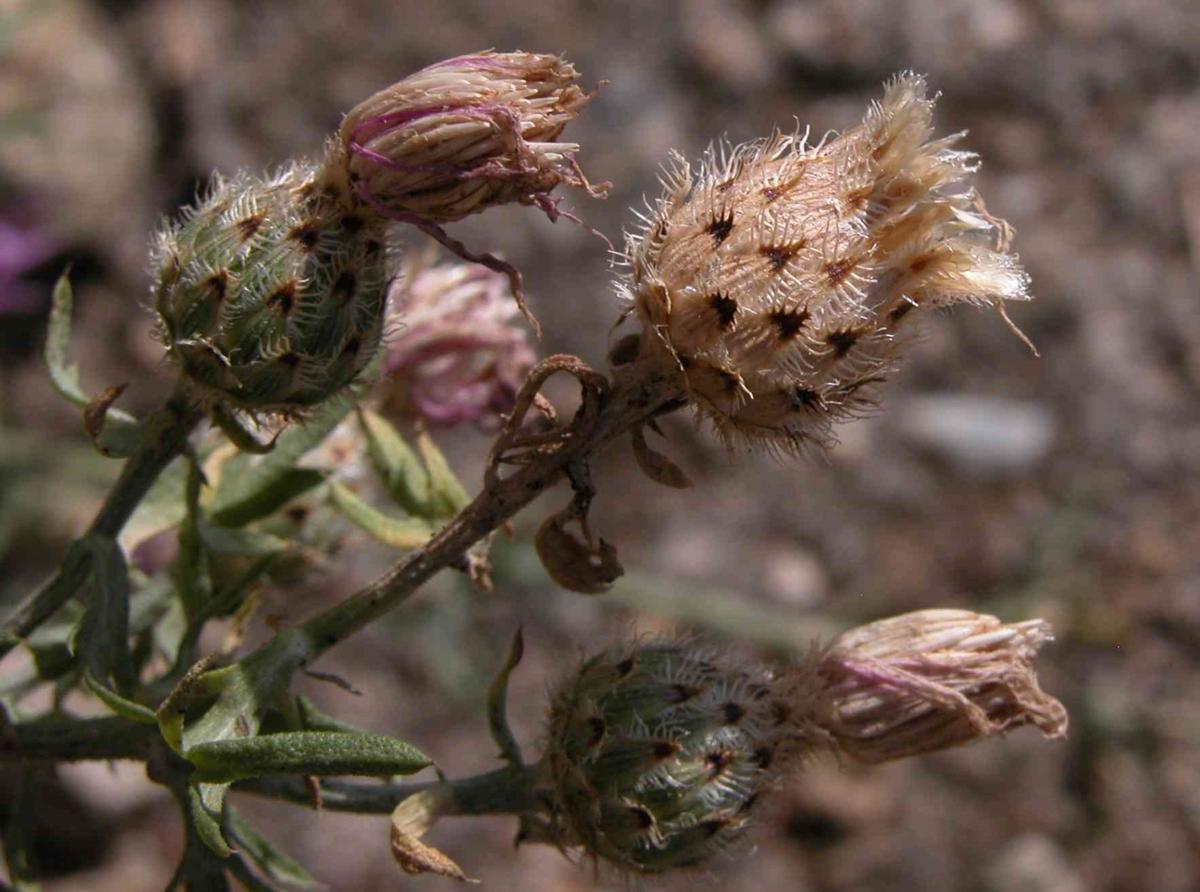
[
  {"x": 22, "y": 247},
  {"x": 460, "y": 355}
]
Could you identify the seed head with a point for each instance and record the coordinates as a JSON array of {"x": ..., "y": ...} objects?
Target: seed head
[
  {"x": 658, "y": 752},
  {"x": 781, "y": 279},
  {"x": 461, "y": 354},
  {"x": 270, "y": 294},
  {"x": 461, "y": 135},
  {"x": 931, "y": 680}
]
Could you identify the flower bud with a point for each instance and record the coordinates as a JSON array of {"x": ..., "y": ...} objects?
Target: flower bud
[
  {"x": 657, "y": 753},
  {"x": 461, "y": 135},
  {"x": 931, "y": 680},
  {"x": 782, "y": 279},
  {"x": 270, "y": 294},
  {"x": 461, "y": 354}
]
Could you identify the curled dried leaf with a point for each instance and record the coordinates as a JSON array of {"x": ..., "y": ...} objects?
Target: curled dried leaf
[
  {"x": 410, "y": 820},
  {"x": 657, "y": 466},
  {"x": 573, "y": 562}
]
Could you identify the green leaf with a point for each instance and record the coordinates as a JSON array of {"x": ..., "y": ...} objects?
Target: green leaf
[
  {"x": 127, "y": 709},
  {"x": 121, "y": 430},
  {"x": 20, "y": 835},
  {"x": 262, "y": 502},
  {"x": 163, "y": 507},
  {"x": 190, "y": 570},
  {"x": 402, "y": 472},
  {"x": 398, "y": 532},
  {"x": 250, "y": 486},
  {"x": 103, "y": 640},
  {"x": 206, "y": 802},
  {"x": 446, "y": 492},
  {"x": 304, "y": 752},
  {"x": 50, "y": 645},
  {"x": 273, "y": 864},
  {"x": 239, "y": 542},
  {"x": 312, "y": 718}
]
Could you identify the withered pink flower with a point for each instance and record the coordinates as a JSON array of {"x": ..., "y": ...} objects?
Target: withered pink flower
[
  {"x": 782, "y": 279},
  {"x": 460, "y": 354},
  {"x": 464, "y": 134},
  {"x": 931, "y": 680}
]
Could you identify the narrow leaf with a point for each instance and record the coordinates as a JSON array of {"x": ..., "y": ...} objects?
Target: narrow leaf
[
  {"x": 117, "y": 432},
  {"x": 397, "y": 464},
  {"x": 123, "y": 707},
  {"x": 244, "y": 492},
  {"x": 399, "y": 532},
  {"x": 304, "y": 752},
  {"x": 103, "y": 640},
  {"x": 273, "y": 495},
  {"x": 274, "y": 864},
  {"x": 446, "y": 492},
  {"x": 206, "y": 803},
  {"x": 239, "y": 542}
]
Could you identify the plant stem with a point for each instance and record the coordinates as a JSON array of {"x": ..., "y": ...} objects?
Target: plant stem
[
  {"x": 630, "y": 402},
  {"x": 60, "y": 739},
  {"x": 164, "y": 437},
  {"x": 504, "y": 791}
]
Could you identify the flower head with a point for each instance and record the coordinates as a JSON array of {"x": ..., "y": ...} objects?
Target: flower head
[
  {"x": 460, "y": 355},
  {"x": 658, "y": 751},
  {"x": 931, "y": 680},
  {"x": 461, "y": 135},
  {"x": 781, "y": 279}
]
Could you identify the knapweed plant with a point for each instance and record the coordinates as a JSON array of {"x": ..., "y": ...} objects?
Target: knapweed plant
[{"x": 773, "y": 285}]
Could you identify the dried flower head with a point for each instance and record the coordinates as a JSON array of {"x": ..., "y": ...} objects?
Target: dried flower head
[
  {"x": 461, "y": 355},
  {"x": 658, "y": 752},
  {"x": 462, "y": 135},
  {"x": 781, "y": 278},
  {"x": 930, "y": 680},
  {"x": 270, "y": 295}
]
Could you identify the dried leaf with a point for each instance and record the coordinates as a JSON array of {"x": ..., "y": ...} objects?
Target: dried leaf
[
  {"x": 657, "y": 466},
  {"x": 572, "y": 563}
]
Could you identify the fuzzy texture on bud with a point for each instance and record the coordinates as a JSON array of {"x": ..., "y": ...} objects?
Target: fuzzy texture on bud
[
  {"x": 658, "y": 751},
  {"x": 462, "y": 135},
  {"x": 781, "y": 279},
  {"x": 460, "y": 353},
  {"x": 271, "y": 294},
  {"x": 931, "y": 680}
]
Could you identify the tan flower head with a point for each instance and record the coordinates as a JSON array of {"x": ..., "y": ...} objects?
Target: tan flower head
[
  {"x": 931, "y": 680},
  {"x": 781, "y": 278},
  {"x": 461, "y": 135}
]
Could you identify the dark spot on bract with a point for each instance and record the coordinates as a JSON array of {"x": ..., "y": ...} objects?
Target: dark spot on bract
[
  {"x": 216, "y": 285},
  {"x": 788, "y": 323},
  {"x": 283, "y": 298},
  {"x": 780, "y": 712},
  {"x": 306, "y": 234},
  {"x": 713, "y": 826},
  {"x": 664, "y": 749},
  {"x": 803, "y": 398},
  {"x": 726, "y": 309},
  {"x": 681, "y": 693},
  {"x": 920, "y": 263},
  {"x": 729, "y": 381},
  {"x": 724, "y": 186},
  {"x": 595, "y": 730},
  {"x": 771, "y": 193},
  {"x": 343, "y": 287},
  {"x": 763, "y": 757},
  {"x": 902, "y": 309},
  {"x": 249, "y": 226},
  {"x": 720, "y": 228},
  {"x": 779, "y": 255},
  {"x": 352, "y": 347},
  {"x": 842, "y": 341},
  {"x": 857, "y": 199},
  {"x": 642, "y": 817},
  {"x": 838, "y": 270},
  {"x": 373, "y": 248},
  {"x": 717, "y": 761},
  {"x": 291, "y": 360},
  {"x": 352, "y": 223},
  {"x": 733, "y": 712},
  {"x": 748, "y": 804},
  {"x": 297, "y": 514},
  {"x": 625, "y": 666}
]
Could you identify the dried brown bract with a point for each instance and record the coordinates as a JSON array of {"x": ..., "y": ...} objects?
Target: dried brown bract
[{"x": 781, "y": 278}]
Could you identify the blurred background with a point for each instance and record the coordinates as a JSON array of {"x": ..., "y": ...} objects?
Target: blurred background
[{"x": 1066, "y": 487}]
